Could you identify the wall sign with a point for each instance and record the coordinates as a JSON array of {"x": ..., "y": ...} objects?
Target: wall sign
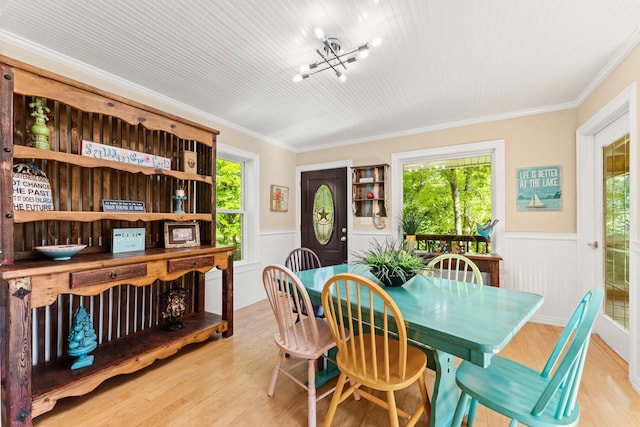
[
  {"x": 539, "y": 189},
  {"x": 122, "y": 206},
  {"x": 122, "y": 155},
  {"x": 31, "y": 189}
]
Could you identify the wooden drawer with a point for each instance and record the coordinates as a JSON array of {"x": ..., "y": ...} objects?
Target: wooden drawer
[
  {"x": 103, "y": 275},
  {"x": 188, "y": 263}
]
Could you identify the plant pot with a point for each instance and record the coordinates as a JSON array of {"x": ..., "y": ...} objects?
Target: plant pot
[
  {"x": 411, "y": 241},
  {"x": 395, "y": 281}
]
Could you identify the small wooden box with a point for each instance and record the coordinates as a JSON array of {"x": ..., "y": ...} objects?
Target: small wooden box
[{"x": 189, "y": 162}]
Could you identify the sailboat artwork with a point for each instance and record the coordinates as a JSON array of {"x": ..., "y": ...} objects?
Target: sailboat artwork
[
  {"x": 536, "y": 203},
  {"x": 539, "y": 189}
]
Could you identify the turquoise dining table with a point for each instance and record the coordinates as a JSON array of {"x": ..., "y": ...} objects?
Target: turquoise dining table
[{"x": 447, "y": 319}]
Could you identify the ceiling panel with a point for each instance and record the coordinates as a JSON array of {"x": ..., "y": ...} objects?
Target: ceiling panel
[{"x": 440, "y": 63}]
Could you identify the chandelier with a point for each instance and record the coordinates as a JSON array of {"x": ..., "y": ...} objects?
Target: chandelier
[{"x": 334, "y": 58}]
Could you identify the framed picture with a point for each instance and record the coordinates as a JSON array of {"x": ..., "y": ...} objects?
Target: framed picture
[
  {"x": 539, "y": 189},
  {"x": 181, "y": 234},
  {"x": 279, "y": 198}
]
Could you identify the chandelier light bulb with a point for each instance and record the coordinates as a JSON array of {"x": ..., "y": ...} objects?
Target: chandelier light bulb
[
  {"x": 304, "y": 69},
  {"x": 376, "y": 42},
  {"x": 297, "y": 78},
  {"x": 319, "y": 32}
]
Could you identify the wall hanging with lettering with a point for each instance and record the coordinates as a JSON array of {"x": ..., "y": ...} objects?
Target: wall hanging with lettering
[
  {"x": 539, "y": 189},
  {"x": 31, "y": 189},
  {"x": 122, "y": 155}
]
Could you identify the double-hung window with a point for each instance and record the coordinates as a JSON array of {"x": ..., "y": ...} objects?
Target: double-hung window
[
  {"x": 230, "y": 211},
  {"x": 237, "y": 209}
]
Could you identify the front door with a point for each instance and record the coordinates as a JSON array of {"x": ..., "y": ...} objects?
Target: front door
[
  {"x": 324, "y": 214},
  {"x": 612, "y": 219}
]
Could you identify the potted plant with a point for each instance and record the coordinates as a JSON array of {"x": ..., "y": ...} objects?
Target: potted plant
[
  {"x": 411, "y": 221},
  {"x": 390, "y": 262}
]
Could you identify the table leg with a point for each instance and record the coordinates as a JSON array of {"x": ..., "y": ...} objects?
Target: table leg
[
  {"x": 329, "y": 372},
  {"x": 445, "y": 391}
]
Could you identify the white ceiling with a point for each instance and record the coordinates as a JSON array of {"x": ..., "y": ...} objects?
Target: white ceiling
[{"x": 441, "y": 63}]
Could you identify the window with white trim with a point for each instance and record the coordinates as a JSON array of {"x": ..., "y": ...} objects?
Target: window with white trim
[{"x": 236, "y": 208}]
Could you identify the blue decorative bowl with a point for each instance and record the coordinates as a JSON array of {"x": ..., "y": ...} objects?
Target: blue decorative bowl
[{"x": 60, "y": 252}]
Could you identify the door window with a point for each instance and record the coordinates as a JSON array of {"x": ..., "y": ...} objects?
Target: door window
[
  {"x": 616, "y": 230},
  {"x": 323, "y": 214}
]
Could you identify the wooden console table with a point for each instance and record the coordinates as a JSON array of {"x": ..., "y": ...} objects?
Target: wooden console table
[
  {"x": 487, "y": 263},
  {"x": 37, "y": 284}
]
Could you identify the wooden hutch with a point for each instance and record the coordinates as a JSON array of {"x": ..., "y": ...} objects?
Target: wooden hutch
[{"x": 122, "y": 292}]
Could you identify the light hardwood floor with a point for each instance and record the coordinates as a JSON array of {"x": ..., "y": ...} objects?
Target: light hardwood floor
[{"x": 224, "y": 383}]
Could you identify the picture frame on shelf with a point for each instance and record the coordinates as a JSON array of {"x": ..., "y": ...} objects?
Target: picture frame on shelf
[
  {"x": 181, "y": 234},
  {"x": 279, "y": 198},
  {"x": 189, "y": 162}
]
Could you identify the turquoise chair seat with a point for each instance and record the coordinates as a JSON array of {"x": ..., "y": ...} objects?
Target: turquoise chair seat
[
  {"x": 533, "y": 398},
  {"x": 511, "y": 389}
]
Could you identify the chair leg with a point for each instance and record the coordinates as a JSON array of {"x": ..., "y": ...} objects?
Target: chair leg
[
  {"x": 461, "y": 408},
  {"x": 356, "y": 396},
  {"x": 473, "y": 407},
  {"x": 425, "y": 396},
  {"x": 335, "y": 400},
  {"x": 276, "y": 371},
  {"x": 311, "y": 392},
  {"x": 393, "y": 410}
]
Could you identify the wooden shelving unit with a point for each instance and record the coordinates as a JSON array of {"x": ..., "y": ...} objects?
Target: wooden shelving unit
[
  {"x": 124, "y": 293},
  {"x": 369, "y": 190}
]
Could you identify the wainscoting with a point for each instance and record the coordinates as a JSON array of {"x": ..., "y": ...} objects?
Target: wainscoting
[
  {"x": 273, "y": 247},
  {"x": 541, "y": 263},
  {"x": 544, "y": 264}
]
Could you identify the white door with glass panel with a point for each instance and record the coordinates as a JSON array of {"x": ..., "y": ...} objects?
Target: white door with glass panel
[{"x": 612, "y": 220}]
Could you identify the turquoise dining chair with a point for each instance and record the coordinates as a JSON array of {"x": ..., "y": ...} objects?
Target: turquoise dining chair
[{"x": 525, "y": 395}]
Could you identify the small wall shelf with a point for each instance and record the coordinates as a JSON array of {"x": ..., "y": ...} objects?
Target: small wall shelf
[{"x": 369, "y": 190}]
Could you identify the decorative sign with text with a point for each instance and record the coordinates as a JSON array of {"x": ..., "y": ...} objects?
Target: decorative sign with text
[
  {"x": 122, "y": 206},
  {"x": 127, "y": 239},
  {"x": 31, "y": 189},
  {"x": 122, "y": 155},
  {"x": 539, "y": 189}
]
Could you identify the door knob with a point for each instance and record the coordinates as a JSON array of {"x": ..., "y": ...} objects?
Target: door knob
[
  {"x": 343, "y": 239},
  {"x": 593, "y": 245}
]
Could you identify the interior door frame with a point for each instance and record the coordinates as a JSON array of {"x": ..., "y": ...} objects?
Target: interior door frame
[
  {"x": 316, "y": 167},
  {"x": 625, "y": 101}
]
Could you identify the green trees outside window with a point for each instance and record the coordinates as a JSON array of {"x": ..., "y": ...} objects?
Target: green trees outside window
[
  {"x": 229, "y": 204},
  {"x": 452, "y": 196}
]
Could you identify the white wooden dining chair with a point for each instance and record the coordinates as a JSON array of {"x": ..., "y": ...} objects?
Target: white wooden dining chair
[
  {"x": 305, "y": 337},
  {"x": 454, "y": 267}
]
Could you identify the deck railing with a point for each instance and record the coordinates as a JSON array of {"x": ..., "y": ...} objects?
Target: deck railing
[{"x": 456, "y": 243}]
